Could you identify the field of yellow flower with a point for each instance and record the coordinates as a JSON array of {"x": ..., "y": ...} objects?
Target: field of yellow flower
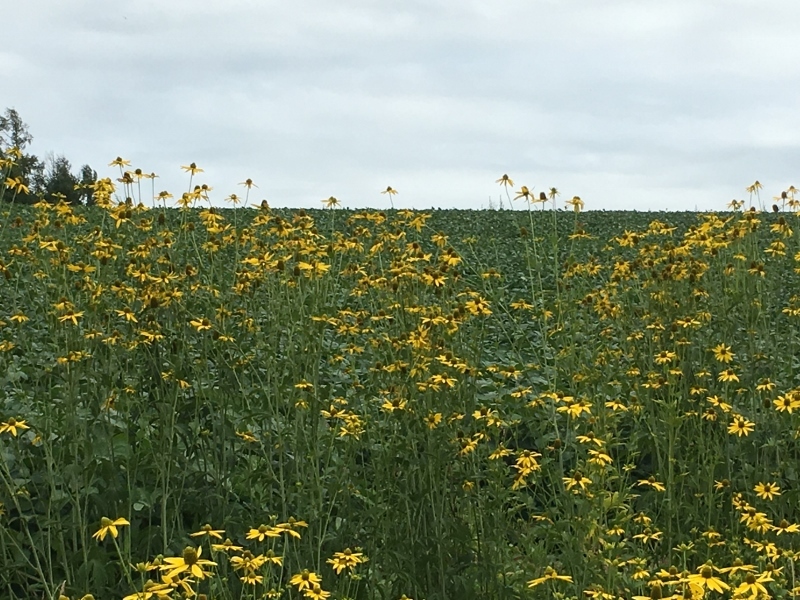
[{"x": 255, "y": 403}]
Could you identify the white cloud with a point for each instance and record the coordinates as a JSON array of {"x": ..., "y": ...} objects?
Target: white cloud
[{"x": 629, "y": 104}]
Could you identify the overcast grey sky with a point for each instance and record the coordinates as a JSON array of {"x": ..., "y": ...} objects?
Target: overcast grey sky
[{"x": 645, "y": 104}]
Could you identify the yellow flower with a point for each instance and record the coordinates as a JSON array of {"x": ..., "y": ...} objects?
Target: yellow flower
[
  {"x": 209, "y": 531},
  {"x": 108, "y": 526},
  {"x": 293, "y": 523},
  {"x": 575, "y": 409},
  {"x": 499, "y": 452},
  {"x": 433, "y": 420},
  {"x": 287, "y": 528},
  {"x": 201, "y": 324},
  {"x": 616, "y": 405},
  {"x": 649, "y": 535},
  {"x": 251, "y": 578},
  {"x": 315, "y": 592},
  {"x": 616, "y": 530},
  {"x": 741, "y": 426},
  {"x": 738, "y": 565},
  {"x": 767, "y": 491},
  {"x": 751, "y": 515},
  {"x": 753, "y": 189},
  {"x": 14, "y": 152},
  {"x": 226, "y": 546},
  {"x": 331, "y": 202},
  {"x": 127, "y": 314},
  {"x": 262, "y": 532},
  {"x": 271, "y": 557},
  {"x": 664, "y": 357},
  {"x": 119, "y": 162},
  {"x": 389, "y": 190},
  {"x": 305, "y": 579},
  {"x": 787, "y": 402},
  {"x": 598, "y": 457},
  {"x": 394, "y": 404},
  {"x": 505, "y": 181},
  {"x": 248, "y": 562},
  {"x": 521, "y": 305},
  {"x": 12, "y": 425},
  {"x": 146, "y": 567},
  {"x": 705, "y": 579},
  {"x": 719, "y": 403},
  {"x": 590, "y": 438},
  {"x": 577, "y": 479},
  {"x": 785, "y": 527},
  {"x": 189, "y": 562},
  {"x": 151, "y": 590},
  {"x": 655, "y": 591},
  {"x": 576, "y": 203},
  {"x": 524, "y": 192},
  {"x": 752, "y": 585},
  {"x": 526, "y": 461},
  {"x": 70, "y": 315},
  {"x": 723, "y": 353},
  {"x": 439, "y": 239},
  {"x": 347, "y": 559},
  {"x": 549, "y": 574},
  {"x": 728, "y": 375},
  {"x": 192, "y": 168},
  {"x": 17, "y": 185},
  {"x": 651, "y": 482}
]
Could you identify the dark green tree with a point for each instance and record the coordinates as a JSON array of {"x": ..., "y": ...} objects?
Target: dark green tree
[
  {"x": 88, "y": 179},
  {"x": 58, "y": 182}
]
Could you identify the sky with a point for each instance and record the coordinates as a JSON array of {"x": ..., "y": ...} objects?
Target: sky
[{"x": 629, "y": 104}]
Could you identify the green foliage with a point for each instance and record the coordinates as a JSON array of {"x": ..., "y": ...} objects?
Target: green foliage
[{"x": 466, "y": 398}]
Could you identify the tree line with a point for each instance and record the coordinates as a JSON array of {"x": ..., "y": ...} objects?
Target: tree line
[{"x": 25, "y": 178}]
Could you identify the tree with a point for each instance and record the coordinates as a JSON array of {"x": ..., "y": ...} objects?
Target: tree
[
  {"x": 88, "y": 179},
  {"x": 51, "y": 179},
  {"x": 59, "y": 183},
  {"x": 13, "y": 131}
]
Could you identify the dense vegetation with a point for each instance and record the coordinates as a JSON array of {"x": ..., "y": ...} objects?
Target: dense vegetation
[{"x": 250, "y": 403}]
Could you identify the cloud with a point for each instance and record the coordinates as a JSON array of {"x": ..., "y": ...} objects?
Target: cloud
[{"x": 628, "y": 104}]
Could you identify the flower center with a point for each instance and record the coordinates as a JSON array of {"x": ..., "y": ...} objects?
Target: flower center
[{"x": 189, "y": 555}]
